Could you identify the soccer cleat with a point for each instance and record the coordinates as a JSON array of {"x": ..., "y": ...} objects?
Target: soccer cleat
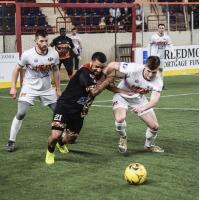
[
  {"x": 10, "y": 146},
  {"x": 154, "y": 149},
  {"x": 122, "y": 145},
  {"x": 63, "y": 149},
  {"x": 50, "y": 158}
]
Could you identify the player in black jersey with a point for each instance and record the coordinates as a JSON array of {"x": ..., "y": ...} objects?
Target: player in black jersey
[
  {"x": 66, "y": 49},
  {"x": 74, "y": 103}
]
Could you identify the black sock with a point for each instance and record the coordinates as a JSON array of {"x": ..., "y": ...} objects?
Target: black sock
[
  {"x": 60, "y": 142},
  {"x": 51, "y": 149}
]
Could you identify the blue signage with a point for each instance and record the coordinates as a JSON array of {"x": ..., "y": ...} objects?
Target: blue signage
[{"x": 145, "y": 56}]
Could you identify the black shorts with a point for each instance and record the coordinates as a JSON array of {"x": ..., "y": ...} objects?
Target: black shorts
[
  {"x": 62, "y": 120},
  {"x": 68, "y": 64}
]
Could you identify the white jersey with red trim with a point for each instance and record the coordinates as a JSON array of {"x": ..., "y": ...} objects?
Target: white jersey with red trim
[
  {"x": 76, "y": 41},
  {"x": 134, "y": 81},
  {"x": 38, "y": 67},
  {"x": 158, "y": 44}
]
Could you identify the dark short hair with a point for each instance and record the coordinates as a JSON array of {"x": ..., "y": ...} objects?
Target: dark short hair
[
  {"x": 41, "y": 32},
  {"x": 101, "y": 57},
  {"x": 62, "y": 29},
  {"x": 153, "y": 62},
  {"x": 161, "y": 25}
]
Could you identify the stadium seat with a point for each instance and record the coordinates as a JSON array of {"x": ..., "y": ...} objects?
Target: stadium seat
[
  {"x": 70, "y": 11},
  {"x": 83, "y": 1},
  {"x": 41, "y": 20}
]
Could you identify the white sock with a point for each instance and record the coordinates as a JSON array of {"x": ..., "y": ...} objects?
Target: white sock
[
  {"x": 16, "y": 125},
  {"x": 150, "y": 137},
  {"x": 121, "y": 128}
]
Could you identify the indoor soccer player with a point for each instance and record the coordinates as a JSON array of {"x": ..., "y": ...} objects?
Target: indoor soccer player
[
  {"x": 66, "y": 50},
  {"x": 37, "y": 62},
  {"x": 158, "y": 43},
  {"x": 74, "y": 103},
  {"x": 139, "y": 79}
]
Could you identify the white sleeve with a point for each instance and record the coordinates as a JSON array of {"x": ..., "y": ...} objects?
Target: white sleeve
[
  {"x": 158, "y": 86},
  {"x": 56, "y": 56},
  {"x": 154, "y": 39},
  {"x": 153, "y": 46},
  {"x": 23, "y": 60},
  {"x": 57, "y": 60},
  {"x": 79, "y": 38},
  {"x": 170, "y": 46},
  {"x": 127, "y": 68}
]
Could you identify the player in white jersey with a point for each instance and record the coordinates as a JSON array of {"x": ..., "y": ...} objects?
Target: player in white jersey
[
  {"x": 77, "y": 44},
  {"x": 139, "y": 80},
  {"x": 37, "y": 63},
  {"x": 158, "y": 43}
]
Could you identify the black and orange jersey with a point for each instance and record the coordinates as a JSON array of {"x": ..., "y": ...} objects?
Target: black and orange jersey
[
  {"x": 64, "y": 46},
  {"x": 75, "y": 98}
]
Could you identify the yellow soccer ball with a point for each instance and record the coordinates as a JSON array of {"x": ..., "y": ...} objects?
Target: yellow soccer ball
[{"x": 135, "y": 173}]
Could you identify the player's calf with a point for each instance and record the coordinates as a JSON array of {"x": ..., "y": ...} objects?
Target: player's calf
[
  {"x": 121, "y": 130},
  {"x": 151, "y": 135},
  {"x": 69, "y": 137}
]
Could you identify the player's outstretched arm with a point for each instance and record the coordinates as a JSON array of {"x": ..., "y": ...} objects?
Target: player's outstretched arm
[
  {"x": 15, "y": 74},
  {"x": 111, "y": 68},
  {"x": 154, "y": 99},
  {"x": 113, "y": 88},
  {"x": 56, "y": 75},
  {"x": 97, "y": 89}
]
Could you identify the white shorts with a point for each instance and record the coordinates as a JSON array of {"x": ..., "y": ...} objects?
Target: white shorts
[
  {"x": 122, "y": 102},
  {"x": 162, "y": 64},
  {"x": 46, "y": 97}
]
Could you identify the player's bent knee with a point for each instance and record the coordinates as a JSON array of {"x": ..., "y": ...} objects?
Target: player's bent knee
[
  {"x": 119, "y": 119},
  {"x": 20, "y": 116},
  {"x": 154, "y": 127},
  {"x": 56, "y": 134},
  {"x": 69, "y": 137}
]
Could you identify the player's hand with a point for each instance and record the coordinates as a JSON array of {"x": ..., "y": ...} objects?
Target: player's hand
[
  {"x": 90, "y": 88},
  {"x": 137, "y": 109},
  {"x": 13, "y": 92},
  {"x": 58, "y": 92},
  {"x": 79, "y": 57}
]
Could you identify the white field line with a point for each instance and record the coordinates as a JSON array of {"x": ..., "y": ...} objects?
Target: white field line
[
  {"x": 173, "y": 95},
  {"x": 184, "y": 109},
  {"x": 104, "y": 106}
]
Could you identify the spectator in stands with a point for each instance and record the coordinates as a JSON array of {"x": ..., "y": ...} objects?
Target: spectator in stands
[
  {"x": 102, "y": 23},
  {"x": 110, "y": 21},
  {"x": 124, "y": 11},
  {"x": 77, "y": 43},
  {"x": 65, "y": 48},
  {"x": 138, "y": 22},
  {"x": 121, "y": 25},
  {"x": 115, "y": 13},
  {"x": 138, "y": 10}
]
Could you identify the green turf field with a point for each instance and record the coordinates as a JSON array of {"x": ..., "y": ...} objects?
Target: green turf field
[{"x": 93, "y": 169}]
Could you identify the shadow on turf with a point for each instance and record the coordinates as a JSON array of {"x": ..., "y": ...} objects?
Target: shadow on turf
[
  {"x": 135, "y": 152},
  {"x": 83, "y": 156},
  {"x": 85, "y": 153},
  {"x": 147, "y": 182}
]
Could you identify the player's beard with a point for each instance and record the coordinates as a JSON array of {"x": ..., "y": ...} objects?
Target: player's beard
[
  {"x": 97, "y": 73},
  {"x": 43, "y": 49}
]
